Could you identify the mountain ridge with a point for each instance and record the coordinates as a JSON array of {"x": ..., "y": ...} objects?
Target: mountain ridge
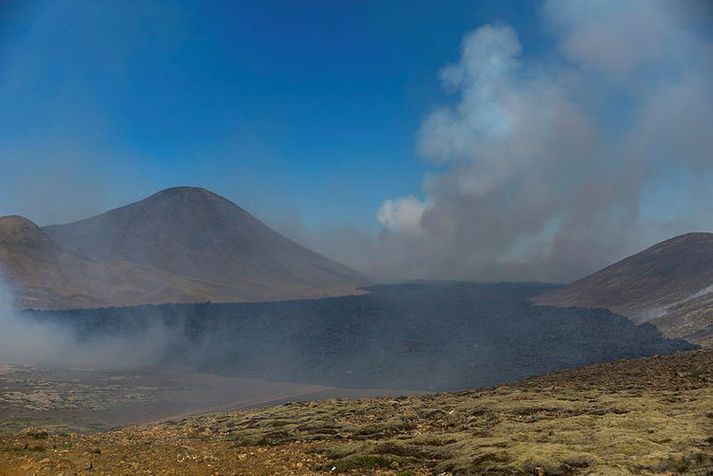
[
  {"x": 182, "y": 244},
  {"x": 669, "y": 284}
]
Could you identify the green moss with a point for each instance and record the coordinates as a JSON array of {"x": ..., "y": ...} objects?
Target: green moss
[
  {"x": 611, "y": 419},
  {"x": 38, "y": 434},
  {"x": 360, "y": 462}
]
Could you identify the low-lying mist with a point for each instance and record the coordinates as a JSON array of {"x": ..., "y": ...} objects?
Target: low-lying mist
[
  {"x": 31, "y": 340},
  {"x": 419, "y": 336}
]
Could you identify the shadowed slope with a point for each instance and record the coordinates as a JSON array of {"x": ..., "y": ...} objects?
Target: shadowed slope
[
  {"x": 45, "y": 274},
  {"x": 179, "y": 245},
  {"x": 200, "y": 235},
  {"x": 669, "y": 285}
]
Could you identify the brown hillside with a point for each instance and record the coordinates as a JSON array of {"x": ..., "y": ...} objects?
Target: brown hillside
[
  {"x": 179, "y": 245},
  {"x": 668, "y": 285}
]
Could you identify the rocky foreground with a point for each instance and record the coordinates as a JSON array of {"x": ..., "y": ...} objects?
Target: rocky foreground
[{"x": 646, "y": 416}]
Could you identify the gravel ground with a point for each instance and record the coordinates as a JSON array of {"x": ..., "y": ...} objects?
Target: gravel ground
[{"x": 646, "y": 416}]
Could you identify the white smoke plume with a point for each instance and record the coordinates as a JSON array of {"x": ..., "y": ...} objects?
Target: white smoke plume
[
  {"x": 26, "y": 340},
  {"x": 552, "y": 164}
]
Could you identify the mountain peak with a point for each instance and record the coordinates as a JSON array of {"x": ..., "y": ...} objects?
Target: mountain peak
[
  {"x": 15, "y": 229},
  {"x": 186, "y": 191},
  {"x": 195, "y": 202},
  {"x": 691, "y": 237},
  {"x": 194, "y": 239},
  {"x": 11, "y": 221}
]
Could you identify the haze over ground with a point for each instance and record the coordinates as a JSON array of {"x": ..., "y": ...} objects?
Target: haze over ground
[
  {"x": 214, "y": 206},
  {"x": 489, "y": 140}
]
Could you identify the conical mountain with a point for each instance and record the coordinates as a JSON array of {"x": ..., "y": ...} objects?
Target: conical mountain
[{"x": 190, "y": 244}]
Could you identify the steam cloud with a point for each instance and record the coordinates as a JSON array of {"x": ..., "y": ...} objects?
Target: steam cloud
[
  {"x": 28, "y": 340},
  {"x": 552, "y": 165}
]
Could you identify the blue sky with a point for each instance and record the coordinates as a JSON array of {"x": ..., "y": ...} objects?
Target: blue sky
[
  {"x": 486, "y": 139},
  {"x": 301, "y": 108}
]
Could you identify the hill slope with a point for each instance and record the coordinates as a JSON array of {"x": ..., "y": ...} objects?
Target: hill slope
[
  {"x": 179, "y": 245},
  {"x": 669, "y": 285},
  {"x": 43, "y": 273},
  {"x": 647, "y": 416}
]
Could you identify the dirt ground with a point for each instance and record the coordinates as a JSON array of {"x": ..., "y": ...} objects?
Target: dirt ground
[
  {"x": 646, "y": 416},
  {"x": 82, "y": 400}
]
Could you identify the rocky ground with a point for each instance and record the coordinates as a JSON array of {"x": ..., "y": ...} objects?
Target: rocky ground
[
  {"x": 83, "y": 400},
  {"x": 646, "y": 416}
]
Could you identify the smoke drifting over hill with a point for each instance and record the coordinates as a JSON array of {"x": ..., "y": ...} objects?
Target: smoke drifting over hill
[
  {"x": 28, "y": 340},
  {"x": 556, "y": 164}
]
